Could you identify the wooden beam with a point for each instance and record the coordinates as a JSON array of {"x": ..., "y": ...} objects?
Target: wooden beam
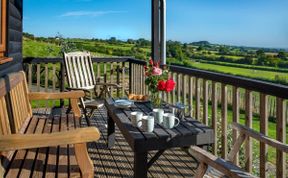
[{"x": 155, "y": 30}]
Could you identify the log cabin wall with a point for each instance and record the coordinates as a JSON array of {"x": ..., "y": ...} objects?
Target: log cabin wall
[{"x": 14, "y": 37}]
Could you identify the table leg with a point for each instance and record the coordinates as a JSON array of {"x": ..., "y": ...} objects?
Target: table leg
[
  {"x": 140, "y": 165},
  {"x": 111, "y": 133}
]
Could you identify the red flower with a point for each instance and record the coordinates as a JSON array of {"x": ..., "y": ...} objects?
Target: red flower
[
  {"x": 170, "y": 85},
  {"x": 146, "y": 68},
  {"x": 151, "y": 62},
  {"x": 161, "y": 85}
]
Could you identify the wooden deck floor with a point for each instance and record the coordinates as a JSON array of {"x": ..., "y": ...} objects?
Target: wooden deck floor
[{"x": 118, "y": 161}]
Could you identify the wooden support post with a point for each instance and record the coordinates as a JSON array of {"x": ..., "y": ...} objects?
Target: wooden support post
[
  {"x": 155, "y": 30},
  {"x": 62, "y": 88},
  {"x": 205, "y": 102},
  {"x": 197, "y": 90},
  {"x": 263, "y": 130},
  {"x": 281, "y": 136},
  {"x": 214, "y": 116},
  {"x": 224, "y": 150},
  {"x": 248, "y": 123},
  {"x": 235, "y": 119}
]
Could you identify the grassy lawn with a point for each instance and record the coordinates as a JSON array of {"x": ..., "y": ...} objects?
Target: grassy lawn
[
  {"x": 39, "y": 49},
  {"x": 251, "y": 73}
]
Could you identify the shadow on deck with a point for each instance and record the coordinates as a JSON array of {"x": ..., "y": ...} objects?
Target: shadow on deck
[{"x": 118, "y": 161}]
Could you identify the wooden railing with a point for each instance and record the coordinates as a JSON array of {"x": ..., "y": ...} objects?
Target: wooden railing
[
  {"x": 219, "y": 99},
  {"x": 48, "y": 74},
  {"x": 216, "y": 100}
]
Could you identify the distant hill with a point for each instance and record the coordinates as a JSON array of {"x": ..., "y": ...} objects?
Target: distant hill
[{"x": 200, "y": 43}]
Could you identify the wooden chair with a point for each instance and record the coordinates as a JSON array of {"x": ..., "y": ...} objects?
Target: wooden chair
[
  {"x": 226, "y": 166},
  {"x": 21, "y": 130},
  {"x": 81, "y": 76}
]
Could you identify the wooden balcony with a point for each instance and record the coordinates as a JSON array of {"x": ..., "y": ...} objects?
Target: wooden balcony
[{"x": 215, "y": 99}]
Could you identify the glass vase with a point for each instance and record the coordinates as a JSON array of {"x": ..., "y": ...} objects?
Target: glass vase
[{"x": 156, "y": 100}]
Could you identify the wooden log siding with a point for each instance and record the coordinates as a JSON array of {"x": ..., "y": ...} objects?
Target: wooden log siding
[{"x": 207, "y": 91}]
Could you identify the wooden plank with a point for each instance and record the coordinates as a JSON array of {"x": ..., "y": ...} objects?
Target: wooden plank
[
  {"x": 198, "y": 102},
  {"x": 63, "y": 170},
  {"x": 123, "y": 79},
  {"x": 174, "y": 92},
  {"x": 30, "y": 76},
  {"x": 224, "y": 142},
  {"x": 248, "y": 123},
  {"x": 4, "y": 120},
  {"x": 178, "y": 87},
  {"x": 263, "y": 130},
  {"x": 205, "y": 102},
  {"x": 191, "y": 92},
  {"x": 98, "y": 76},
  {"x": 184, "y": 90},
  {"x": 281, "y": 137},
  {"x": 38, "y": 80},
  {"x": 214, "y": 116},
  {"x": 20, "y": 155},
  {"x": 235, "y": 118},
  {"x": 39, "y": 166},
  {"x": 54, "y": 78},
  {"x": 46, "y": 82},
  {"x": 30, "y": 159},
  {"x": 51, "y": 160},
  {"x": 74, "y": 170}
]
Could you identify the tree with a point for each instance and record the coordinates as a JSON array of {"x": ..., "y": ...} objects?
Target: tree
[
  {"x": 260, "y": 53},
  {"x": 223, "y": 50},
  {"x": 282, "y": 55},
  {"x": 112, "y": 40}
]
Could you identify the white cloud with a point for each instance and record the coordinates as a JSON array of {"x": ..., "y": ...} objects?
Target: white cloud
[{"x": 89, "y": 13}]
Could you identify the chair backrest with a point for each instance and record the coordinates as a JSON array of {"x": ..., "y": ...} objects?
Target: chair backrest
[
  {"x": 79, "y": 68},
  {"x": 13, "y": 87},
  {"x": 4, "y": 118}
]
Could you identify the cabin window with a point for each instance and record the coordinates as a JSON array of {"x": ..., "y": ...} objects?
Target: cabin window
[{"x": 3, "y": 15}]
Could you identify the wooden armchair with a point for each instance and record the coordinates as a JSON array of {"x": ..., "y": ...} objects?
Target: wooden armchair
[
  {"x": 16, "y": 119},
  {"x": 81, "y": 76},
  {"x": 226, "y": 166}
]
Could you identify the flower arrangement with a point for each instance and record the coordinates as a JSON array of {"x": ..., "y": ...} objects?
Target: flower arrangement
[{"x": 157, "y": 80}]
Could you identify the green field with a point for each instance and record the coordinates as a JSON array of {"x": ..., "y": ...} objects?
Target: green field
[{"x": 251, "y": 73}]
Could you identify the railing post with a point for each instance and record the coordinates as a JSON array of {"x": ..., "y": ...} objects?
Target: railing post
[
  {"x": 263, "y": 130},
  {"x": 235, "y": 118},
  {"x": 281, "y": 136},
  {"x": 130, "y": 77},
  {"x": 62, "y": 82},
  {"x": 224, "y": 120},
  {"x": 248, "y": 123}
]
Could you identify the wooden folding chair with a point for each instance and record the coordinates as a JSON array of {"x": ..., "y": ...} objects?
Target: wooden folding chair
[{"x": 81, "y": 76}]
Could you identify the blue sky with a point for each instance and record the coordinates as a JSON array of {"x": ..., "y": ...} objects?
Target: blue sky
[{"x": 261, "y": 23}]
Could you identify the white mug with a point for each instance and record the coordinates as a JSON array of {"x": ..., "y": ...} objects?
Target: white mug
[
  {"x": 170, "y": 121},
  {"x": 147, "y": 123},
  {"x": 158, "y": 115},
  {"x": 135, "y": 118}
]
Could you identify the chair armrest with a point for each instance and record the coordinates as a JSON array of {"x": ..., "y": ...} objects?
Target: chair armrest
[
  {"x": 28, "y": 141},
  {"x": 225, "y": 167},
  {"x": 54, "y": 96}
]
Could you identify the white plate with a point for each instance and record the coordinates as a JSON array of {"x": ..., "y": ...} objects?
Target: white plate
[{"x": 122, "y": 103}]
